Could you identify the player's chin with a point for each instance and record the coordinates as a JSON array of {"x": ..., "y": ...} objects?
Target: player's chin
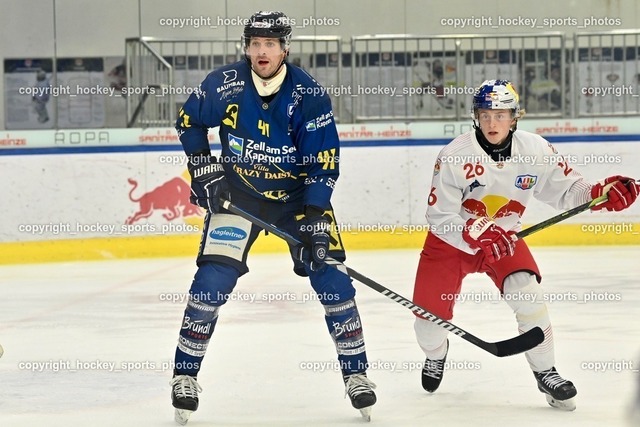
[
  {"x": 263, "y": 71},
  {"x": 495, "y": 138}
]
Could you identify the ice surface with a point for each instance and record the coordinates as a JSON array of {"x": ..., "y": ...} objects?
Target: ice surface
[{"x": 82, "y": 324}]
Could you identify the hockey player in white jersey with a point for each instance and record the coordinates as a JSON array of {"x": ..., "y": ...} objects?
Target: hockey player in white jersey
[{"x": 482, "y": 183}]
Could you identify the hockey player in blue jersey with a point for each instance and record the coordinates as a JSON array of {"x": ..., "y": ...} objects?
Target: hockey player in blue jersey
[{"x": 279, "y": 161}]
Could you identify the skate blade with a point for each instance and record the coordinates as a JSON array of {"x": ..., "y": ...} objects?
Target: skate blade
[
  {"x": 182, "y": 416},
  {"x": 565, "y": 405},
  {"x": 366, "y": 413}
]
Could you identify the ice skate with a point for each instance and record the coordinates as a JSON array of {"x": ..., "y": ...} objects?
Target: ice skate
[
  {"x": 558, "y": 391},
  {"x": 433, "y": 371},
  {"x": 359, "y": 388},
  {"x": 184, "y": 397}
]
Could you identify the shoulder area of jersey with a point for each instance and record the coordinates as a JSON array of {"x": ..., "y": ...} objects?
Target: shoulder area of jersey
[
  {"x": 226, "y": 81},
  {"x": 460, "y": 142},
  {"x": 229, "y": 73},
  {"x": 526, "y": 136}
]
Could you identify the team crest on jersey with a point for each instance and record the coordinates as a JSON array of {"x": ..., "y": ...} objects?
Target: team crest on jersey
[
  {"x": 235, "y": 144},
  {"x": 290, "y": 109},
  {"x": 526, "y": 182}
]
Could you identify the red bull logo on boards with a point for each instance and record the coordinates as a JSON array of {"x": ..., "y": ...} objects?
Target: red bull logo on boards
[{"x": 171, "y": 198}]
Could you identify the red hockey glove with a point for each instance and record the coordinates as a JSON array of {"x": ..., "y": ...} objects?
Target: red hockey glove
[
  {"x": 621, "y": 190},
  {"x": 495, "y": 242}
]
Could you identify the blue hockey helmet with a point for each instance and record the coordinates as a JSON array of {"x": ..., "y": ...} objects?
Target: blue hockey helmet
[{"x": 496, "y": 95}]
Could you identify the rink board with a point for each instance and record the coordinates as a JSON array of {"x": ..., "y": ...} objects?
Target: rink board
[
  {"x": 185, "y": 245},
  {"x": 92, "y": 196}
]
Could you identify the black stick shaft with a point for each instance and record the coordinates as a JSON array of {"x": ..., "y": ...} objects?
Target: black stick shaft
[
  {"x": 560, "y": 217},
  {"x": 519, "y": 344}
]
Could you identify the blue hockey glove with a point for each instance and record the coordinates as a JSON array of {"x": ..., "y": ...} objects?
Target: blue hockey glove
[
  {"x": 208, "y": 181},
  {"x": 314, "y": 230}
]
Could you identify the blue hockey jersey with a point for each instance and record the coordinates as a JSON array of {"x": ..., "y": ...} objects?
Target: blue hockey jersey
[{"x": 284, "y": 150}]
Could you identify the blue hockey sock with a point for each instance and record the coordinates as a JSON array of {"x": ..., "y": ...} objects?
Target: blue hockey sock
[
  {"x": 198, "y": 324},
  {"x": 345, "y": 327},
  {"x": 210, "y": 289}
]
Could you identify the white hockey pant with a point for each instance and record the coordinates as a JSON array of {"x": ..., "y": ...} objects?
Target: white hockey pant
[{"x": 526, "y": 298}]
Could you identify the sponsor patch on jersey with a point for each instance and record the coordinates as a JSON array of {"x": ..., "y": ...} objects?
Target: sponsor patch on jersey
[
  {"x": 436, "y": 168},
  {"x": 235, "y": 144},
  {"x": 230, "y": 75},
  {"x": 310, "y": 126},
  {"x": 319, "y": 122},
  {"x": 290, "y": 109},
  {"x": 526, "y": 182},
  {"x": 228, "y": 233},
  {"x": 231, "y": 93},
  {"x": 199, "y": 93},
  {"x": 230, "y": 85}
]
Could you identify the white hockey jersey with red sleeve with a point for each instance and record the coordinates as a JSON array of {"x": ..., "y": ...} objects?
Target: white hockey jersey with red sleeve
[{"x": 467, "y": 183}]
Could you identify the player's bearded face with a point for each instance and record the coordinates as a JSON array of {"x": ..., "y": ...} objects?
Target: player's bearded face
[
  {"x": 266, "y": 55},
  {"x": 495, "y": 124}
]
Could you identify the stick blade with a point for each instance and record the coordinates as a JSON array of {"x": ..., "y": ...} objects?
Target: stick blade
[{"x": 519, "y": 344}]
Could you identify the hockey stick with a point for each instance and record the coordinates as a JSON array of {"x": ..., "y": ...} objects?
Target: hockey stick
[
  {"x": 519, "y": 344},
  {"x": 567, "y": 214},
  {"x": 561, "y": 217}
]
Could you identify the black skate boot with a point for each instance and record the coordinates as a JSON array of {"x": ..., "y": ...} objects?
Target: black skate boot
[
  {"x": 184, "y": 396},
  {"x": 558, "y": 391},
  {"x": 433, "y": 371},
  {"x": 360, "y": 391}
]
